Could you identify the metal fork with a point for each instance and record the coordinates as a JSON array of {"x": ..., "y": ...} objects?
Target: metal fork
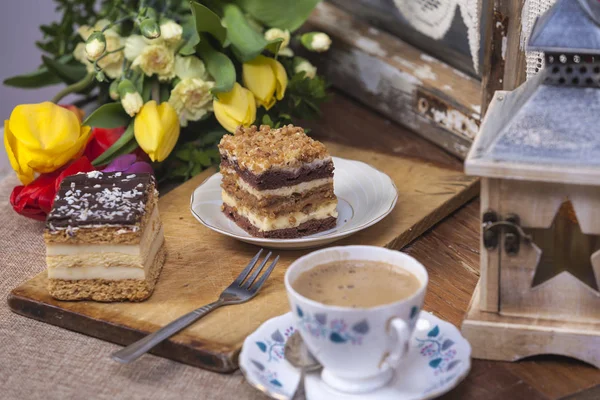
[{"x": 240, "y": 291}]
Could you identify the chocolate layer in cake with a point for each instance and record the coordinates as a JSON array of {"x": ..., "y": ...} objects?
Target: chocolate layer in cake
[
  {"x": 277, "y": 178},
  {"x": 307, "y": 228},
  {"x": 93, "y": 207},
  {"x": 103, "y": 200}
]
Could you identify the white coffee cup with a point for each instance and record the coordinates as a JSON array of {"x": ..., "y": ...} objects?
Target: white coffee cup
[{"x": 358, "y": 347}]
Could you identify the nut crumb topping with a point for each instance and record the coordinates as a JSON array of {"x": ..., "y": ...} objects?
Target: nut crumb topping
[{"x": 259, "y": 149}]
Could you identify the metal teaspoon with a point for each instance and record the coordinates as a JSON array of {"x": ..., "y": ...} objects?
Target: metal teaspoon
[{"x": 297, "y": 354}]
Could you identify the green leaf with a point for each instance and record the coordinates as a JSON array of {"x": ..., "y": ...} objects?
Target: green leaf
[
  {"x": 247, "y": 43},
  {"x": 180, "y": 171},
  {"x": 214, "y": 154},
  {"x": 128, "y": 148},
  {"x": 196, "y": 170},
  {"x": 282, "y": 14},
  {"x": 67, "y": 72},
  {"x": 184, "y": 154},
  {"x": 110, "y": 115},
  {"x": 138, "y": 81},
  {"x": 202, "y": 157},
  {"x": 190, "y": 36},
  {"x": 36, "y": 79},
  {"x": 219, "y": 66},
  {"x": 266, "y": 120},
  {"x": 212, "y": 137},
  {"x": 274, "y": 45},
  {"x": 165, "y": 93},
  {"x": 124, "y": 145},
  {"x": 209, "y": 22},
  {"x": 146, "y": 90}
]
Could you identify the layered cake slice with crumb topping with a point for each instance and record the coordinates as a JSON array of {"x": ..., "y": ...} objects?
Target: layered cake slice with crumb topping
[
  {"x": 277, "y": 183},
  {"x": 104, "y": 238}
]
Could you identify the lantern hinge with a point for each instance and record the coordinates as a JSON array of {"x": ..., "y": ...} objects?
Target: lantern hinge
[{"x": 510, "y": 227}]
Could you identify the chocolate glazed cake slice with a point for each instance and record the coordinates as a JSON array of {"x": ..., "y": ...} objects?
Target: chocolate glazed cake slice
[
  {"x": 104, "y": 238},
  {"x": 277, "y": 183}
]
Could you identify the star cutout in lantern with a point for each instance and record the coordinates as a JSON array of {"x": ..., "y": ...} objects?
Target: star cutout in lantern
[{"x": 565, "y": 248}]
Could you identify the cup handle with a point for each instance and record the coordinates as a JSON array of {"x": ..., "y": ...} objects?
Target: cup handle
[{"x": 403, "y": 334}]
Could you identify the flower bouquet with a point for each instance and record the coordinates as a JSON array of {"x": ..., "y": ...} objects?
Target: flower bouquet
[{"x": 167, "y": 79}]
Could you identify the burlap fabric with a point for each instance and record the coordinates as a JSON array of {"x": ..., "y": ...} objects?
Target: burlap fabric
[{"x": 40, "y": 361}]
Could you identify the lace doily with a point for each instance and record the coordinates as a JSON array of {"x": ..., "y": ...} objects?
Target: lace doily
[
  {"x": 531, "y": 10},
  {"x": 434, "y": 17}
]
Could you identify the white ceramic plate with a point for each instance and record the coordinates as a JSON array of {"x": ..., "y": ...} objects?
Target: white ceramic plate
[
  {"x": 439, "y": 358},
  {"x": 365, "y": 196}
]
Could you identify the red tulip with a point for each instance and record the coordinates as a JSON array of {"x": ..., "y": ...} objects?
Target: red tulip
[
  {"x": 35, "y": 200},
  {"x": 100, "y": 140}
]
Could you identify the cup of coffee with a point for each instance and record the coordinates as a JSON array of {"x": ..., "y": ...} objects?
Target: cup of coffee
[{"x": 356, "y": 308}]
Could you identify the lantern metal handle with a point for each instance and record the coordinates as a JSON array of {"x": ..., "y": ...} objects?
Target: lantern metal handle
[{"x": 513, "y": 233}]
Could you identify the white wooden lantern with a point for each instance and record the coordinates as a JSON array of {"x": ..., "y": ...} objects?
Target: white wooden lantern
[{"x": 538, "y": 153}]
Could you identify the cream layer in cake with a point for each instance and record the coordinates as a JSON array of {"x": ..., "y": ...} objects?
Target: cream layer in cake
[
  {"x": 290, "y": 220},
  {"x": 283, "y": 191},
  {"x": 103, "y": 254},
  {"x": 105, "y": 269}
]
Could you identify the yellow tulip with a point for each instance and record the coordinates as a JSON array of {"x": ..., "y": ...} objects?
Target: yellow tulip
[
  {"x": 40, "y": 138},
  {"x": 234, "y": 108},
  {"x": 266, "y": 79},
  {"x": 156, "y": 129}
]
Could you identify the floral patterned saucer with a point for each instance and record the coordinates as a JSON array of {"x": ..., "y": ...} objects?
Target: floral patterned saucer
[{"x": 439, "y": 358}]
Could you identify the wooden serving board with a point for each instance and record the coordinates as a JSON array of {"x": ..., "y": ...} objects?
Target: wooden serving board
[{"x": 201, "y": 263}]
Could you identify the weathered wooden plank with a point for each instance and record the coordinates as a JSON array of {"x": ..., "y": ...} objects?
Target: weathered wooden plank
[
  {"x": 453, "y": 48},
  {"x": 405, "y": 84},
  {"x": 504, "y": 59},
  {"x": 490, "y": 259}
]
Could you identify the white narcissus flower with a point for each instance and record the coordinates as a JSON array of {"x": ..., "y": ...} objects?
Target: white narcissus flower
[
  {"x": 134, "y": 45},
  {"x": 95, "y": 45},
  {"x": 276, "y": 33},
  {"x": 191, "y": 98},
  {"x": 113, "y": 90},
  {"x": 81, "y": 56},
  {"x": 310, "y": 71},
  {"x": 132, "y": 103},
  {"x": 153, "y": 59},
  {"x": 171, "y": 32},
  {"x": 131, "y": 100},
  {"x": 111, "y": 64},
  {"x": 316, "y": 41},
  {"x": 287, "y": 52},
  {"x": 151, "y": 56},
  {"x": 321, "y": 42},
  {"x": 190, "y": 67},
  {"x": 150, "y": 29}
]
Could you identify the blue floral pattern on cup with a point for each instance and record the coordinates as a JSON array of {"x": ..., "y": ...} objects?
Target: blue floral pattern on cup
[
  {"x": 439, "y": 350},
  {"x": 266, "y": 376},
  {"x": 336, "y": 330},
  {"x": 274, "y": 345}
]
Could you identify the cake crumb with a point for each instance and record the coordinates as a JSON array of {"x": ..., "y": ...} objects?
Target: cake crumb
[{"x": 259, "y": 149}]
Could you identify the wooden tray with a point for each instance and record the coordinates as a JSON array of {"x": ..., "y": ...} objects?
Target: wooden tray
[{"x": 200, "y": 263}]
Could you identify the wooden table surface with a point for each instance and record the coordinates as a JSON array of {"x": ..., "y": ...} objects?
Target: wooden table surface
[{"x": 450, "y": 251}]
